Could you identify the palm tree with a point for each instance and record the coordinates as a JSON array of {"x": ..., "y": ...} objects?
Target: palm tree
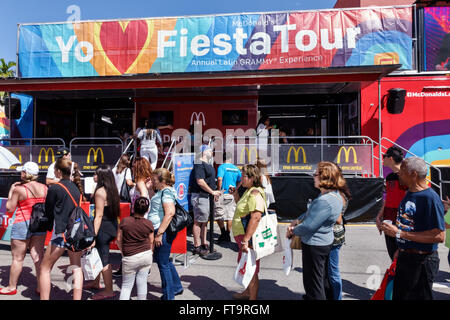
[
  {"x": 5, "y": 68},
  {"x": 6, "y": 71}
]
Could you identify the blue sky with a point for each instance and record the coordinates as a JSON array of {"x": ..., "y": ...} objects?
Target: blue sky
[{"x": 32, "y": 11}]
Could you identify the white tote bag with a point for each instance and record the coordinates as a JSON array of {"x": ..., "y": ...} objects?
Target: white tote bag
[
  {"x": 91, "y": 264},
  {"x": 288, "y": 257},
  {"x": 246, "y": 268},
  {"x": 264, "y": 239}
]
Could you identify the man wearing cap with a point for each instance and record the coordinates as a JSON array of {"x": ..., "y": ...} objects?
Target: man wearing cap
[
  {"x": 203, "y": 185},
  {"x": 62, "y": 152}
]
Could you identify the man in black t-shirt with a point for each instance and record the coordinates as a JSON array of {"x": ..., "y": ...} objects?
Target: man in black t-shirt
[{"x": 203, "y": 185}]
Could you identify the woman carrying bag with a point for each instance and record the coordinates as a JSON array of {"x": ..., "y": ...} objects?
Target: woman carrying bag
[
  {"x": 123, "y": 179},
  {"x": 316, "y": 230},
  {"x": 107, "y": 207},
  {"x": 24, "y": 195},
  {"x": 248, "y": 208},
  {"x": 161, "y": 213}
]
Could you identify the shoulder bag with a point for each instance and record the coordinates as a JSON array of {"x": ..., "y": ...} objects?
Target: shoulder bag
[
  {"x": 125, "y": 189},
  {"x": 180, "y": 220}
]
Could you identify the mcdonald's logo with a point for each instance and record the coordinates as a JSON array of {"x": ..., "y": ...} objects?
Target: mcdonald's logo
[
  {"x": 249, "y": 154},
  {"x": 197, "y": 117},
  {"x": 17, "y": 153},
  {"x": 347, "y": 154},
  {"x": 95, "y": 151},
  {"x": 46, "y": 153},
  {"x": 296, "y": 152}
]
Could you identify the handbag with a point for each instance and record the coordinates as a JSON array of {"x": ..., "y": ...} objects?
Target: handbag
[
  {"x": 91, "y": 264},
  {"x": 265, "y": 238},
  {"x": 180, "y": 220},
  {"x": 296, "y": 243},
  {"x": 125, "y": 189},
  {"x": 339, "y": 229},
  {"x": 385, "y": 290},
  {"x": 246, "y": 268}
]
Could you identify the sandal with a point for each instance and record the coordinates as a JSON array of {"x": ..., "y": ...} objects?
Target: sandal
[
  {"x": 8, "y": 293},
  {"x": 102, "y": 297}
]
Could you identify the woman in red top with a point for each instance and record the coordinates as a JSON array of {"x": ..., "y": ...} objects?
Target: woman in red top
[{"x": 22, "y": 196}]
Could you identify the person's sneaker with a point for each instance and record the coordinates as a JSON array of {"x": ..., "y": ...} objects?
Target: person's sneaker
[{"x": 221, "y": 238}]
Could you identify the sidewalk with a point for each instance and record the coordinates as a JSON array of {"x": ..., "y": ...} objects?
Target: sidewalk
[{"x": 213, "y": 279}]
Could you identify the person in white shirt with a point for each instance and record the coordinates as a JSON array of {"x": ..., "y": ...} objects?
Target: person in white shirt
[
  {"x": 121, "y": 172},
  {"x": 62, "y": 152},
  {"x": 262, "y": 133},
  {"x": 149, "y": 150}
]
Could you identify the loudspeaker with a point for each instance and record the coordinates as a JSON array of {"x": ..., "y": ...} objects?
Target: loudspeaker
[
  {"x": 396, "y": 100},
  {"x": 13, "y": 105}
]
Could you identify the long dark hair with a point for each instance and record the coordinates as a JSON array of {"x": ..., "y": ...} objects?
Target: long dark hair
[{"x": 105, "y": 178}]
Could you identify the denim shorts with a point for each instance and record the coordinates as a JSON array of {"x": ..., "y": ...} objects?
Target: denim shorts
[
  {"x": 58, "y": 240},
  {"x": 20, "y": 231}
]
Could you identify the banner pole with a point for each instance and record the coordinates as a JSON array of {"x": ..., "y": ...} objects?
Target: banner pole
[{"x": 212, "y": 255}]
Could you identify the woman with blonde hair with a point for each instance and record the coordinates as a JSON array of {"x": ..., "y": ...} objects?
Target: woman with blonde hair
[
  {"x": 316, "y": 229},
  {"x": 249, "y": 207},
  {"x": 161, "y": 212},
  {"x": 23, "y": 195}
]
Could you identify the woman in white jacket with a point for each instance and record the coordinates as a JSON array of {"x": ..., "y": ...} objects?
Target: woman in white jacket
[{"x": 149, "y": 136}]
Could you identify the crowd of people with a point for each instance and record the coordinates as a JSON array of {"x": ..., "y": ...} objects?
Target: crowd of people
[{"x": 412, "y": 219}]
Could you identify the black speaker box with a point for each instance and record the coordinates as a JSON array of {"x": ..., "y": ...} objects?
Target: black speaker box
[
  {"x": 396, "y": 100},
  {"x": 13, "y": 105}
]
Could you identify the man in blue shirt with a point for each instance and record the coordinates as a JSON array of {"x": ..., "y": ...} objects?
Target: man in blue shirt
[
  {"x": 419, "y": 228},
  {"x": 228, "y": 176}
]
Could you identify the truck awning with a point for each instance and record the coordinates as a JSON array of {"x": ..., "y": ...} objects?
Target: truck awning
[{"x": 215, "y": 79}]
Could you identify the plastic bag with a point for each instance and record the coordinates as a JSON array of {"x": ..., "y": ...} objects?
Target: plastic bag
[
  {"x": 246, "y": 268},
  {"x": 91, "y": 264},
  {"x": 288, "y": 257}
]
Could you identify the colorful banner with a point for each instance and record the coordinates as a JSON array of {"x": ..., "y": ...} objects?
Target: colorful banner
[
  {"x": 437, "y": 38},
  {"x": 310, "y": 39},
  {"x": 22, "y": 127}
]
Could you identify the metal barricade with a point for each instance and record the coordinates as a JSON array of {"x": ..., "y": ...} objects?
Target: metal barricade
[
  {"x": 95, "y": 151},
  {"x": 39, "y": 150}
]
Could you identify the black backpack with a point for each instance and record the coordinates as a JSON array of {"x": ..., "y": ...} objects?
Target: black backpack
[
  {"x": 80, "y": 232},
  {"x": 39, "y": 221}
]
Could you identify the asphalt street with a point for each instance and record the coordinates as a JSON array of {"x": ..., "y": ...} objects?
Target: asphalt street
[{"x": 363, "y": 261}]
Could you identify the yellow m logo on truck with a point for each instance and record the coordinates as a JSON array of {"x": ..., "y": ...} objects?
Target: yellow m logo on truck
[
  {"x": 17, "y": 153},
  {"x": 347, "y": 154},
  {"x": 249, "y": 154},
  {"x": 46, "y": 153},
  {"x": 95, "y": 151},
  {"x": 296, "y": 152}
]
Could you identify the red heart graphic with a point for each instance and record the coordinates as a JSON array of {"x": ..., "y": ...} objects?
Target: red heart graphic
[{"x": 122, "y": 42}]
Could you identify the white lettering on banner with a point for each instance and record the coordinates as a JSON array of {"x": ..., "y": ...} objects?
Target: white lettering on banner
[
  {"x": 65, "y": 49},
  {"x": 200, "y": 45},
  {"x": 428, "y": 94}
]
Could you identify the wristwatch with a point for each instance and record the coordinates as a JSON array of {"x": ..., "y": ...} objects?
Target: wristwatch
[{"x": 397, "y": 235}]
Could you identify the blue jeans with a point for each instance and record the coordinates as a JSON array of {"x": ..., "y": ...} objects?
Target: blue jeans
[
  {"x": 334, "y": 275},
  {"x": 170, "y": 280}
]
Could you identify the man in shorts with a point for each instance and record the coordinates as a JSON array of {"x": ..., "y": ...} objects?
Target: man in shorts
[
  {"x": 202, "y": 186},
  {"x": 228, "y": 179}
]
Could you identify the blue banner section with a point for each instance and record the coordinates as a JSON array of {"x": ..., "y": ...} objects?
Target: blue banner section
[{"x": 183, "y": 165}]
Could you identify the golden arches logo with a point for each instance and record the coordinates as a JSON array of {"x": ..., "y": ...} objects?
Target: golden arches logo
[
  {"x": 347, "y": 154},
  {"x": 95, "y": 151},
  {"x": 249, "y": 154},
  {"x": 197, "y": 117},
  {"x": 46, "y": 153},
  {"x": 17, "y": 153},
  {"x": 296, "y": 153}
]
